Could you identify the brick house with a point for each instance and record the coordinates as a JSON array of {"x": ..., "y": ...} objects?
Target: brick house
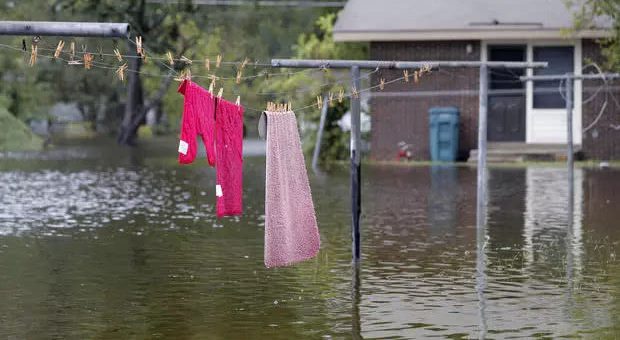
[{"x": 520, "y": 115}]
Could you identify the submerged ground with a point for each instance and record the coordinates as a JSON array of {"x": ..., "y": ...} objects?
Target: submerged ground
[{"x": 98, "y": 241}]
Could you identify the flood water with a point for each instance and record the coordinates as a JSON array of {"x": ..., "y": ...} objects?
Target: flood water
[{"x": 102, "y": 242}]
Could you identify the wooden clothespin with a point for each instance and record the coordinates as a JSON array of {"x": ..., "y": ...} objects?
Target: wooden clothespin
[
  {"x": 139, "y": 50},
  {"x": 185, "y": 75},
  {"x": 33, "y": 54},
  {"x": 170, "y": 58},
  {"x": 212, "y": 85},
  {"x": 59, "y": 47},
  {"x": 118, "y": 55},
  {"x": 238, "y": 78},
  {"x": 382, "y": 84},
  {"x": 244, "y": 63},
  {"x": 218, "y": 61},
  {"x": 186, "y": 60},
  {"x": 290, "y": 106},
  {"x": 72, "y": 50},
  {"x": 340, "y": 95},
  {"x": 208, "y": 64},
  {"x": 100, "y": 52},
  {"x": 319, "y": 101},
  {"x": 331, "y": 99},
  {"x": 354, "y": 93},
  {"x": 238, "y": 101},
  {"x": 144, "y": 56},
  {"x": 416, "y": 76},
  {"x": 220, "y": 92},
  {"x": 88, "y": 60},
  {"x": 120, "y": 72},
  {"x": 406, "y": 75}
]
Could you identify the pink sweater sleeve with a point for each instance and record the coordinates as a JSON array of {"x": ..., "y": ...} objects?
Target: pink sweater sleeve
[{"x": 187, "y": 142}]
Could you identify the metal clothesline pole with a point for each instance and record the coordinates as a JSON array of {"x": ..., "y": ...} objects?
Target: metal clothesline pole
[
  {"x": 601, "y": 76},
  {"x": 74, "y": 29},
  {"x": 355, "y": 66},
  {"x": 356, "y": 173},
  {"x": 570, "y": 152},
  {"x": 482, "y": 146},
  {"x": 401, "y": 65}
]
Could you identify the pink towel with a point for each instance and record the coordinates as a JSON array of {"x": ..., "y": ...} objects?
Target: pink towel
[
  {"x": 198, "y": 110},
  {"x": 229, "y": 150},
  {"x": 291, "y": 232}
]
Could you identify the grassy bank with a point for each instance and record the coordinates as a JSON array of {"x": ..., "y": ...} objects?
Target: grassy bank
[{"x": 15, "y": 135}]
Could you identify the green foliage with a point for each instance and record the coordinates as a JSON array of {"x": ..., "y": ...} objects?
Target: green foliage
[
  {"x": 15, "y": 135},
  {"x": 196, "y": 32},
  {"x": 586, "y": 17},
  {"x": 306, "y": 85}
]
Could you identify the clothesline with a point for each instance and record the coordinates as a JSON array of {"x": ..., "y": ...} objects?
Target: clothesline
[
  {"x": 303, "y": 109},
  {"x": 151, "y": 56},
  {"x": 187, "y": 63},
  {"x": 346, "y": 95},
  {"x": 209, "y": 76}
]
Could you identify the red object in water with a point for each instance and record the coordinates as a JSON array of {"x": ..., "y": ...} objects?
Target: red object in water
[
  {"x": 402, "y": 154},
  {"x": 403, "y": 151}
]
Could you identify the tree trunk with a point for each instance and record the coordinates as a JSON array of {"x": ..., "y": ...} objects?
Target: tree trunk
[{"x": 134, "y": 105}]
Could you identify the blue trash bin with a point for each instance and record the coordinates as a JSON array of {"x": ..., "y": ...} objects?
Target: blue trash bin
[{"x": 444, "y": 133}]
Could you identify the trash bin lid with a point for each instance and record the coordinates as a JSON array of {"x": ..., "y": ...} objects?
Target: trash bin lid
[{"x": 443, "y": 110}]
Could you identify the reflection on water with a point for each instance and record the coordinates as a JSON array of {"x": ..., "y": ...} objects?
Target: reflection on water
[{"x": 104, "y": 242}]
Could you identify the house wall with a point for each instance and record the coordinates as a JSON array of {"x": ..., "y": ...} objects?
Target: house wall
[
  {"x": 400, "y": 111},
  {"x": 602, "y": 141}
]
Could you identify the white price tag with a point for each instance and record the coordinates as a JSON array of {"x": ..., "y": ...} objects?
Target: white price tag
[
  {"x": 218, "y": 191},
  {"x": 183, "y": 147}
]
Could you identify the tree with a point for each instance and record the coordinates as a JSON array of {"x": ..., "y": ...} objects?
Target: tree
[
  {"x": 165, "y": 27},
  {"x": 235, "y": 32},
  {"x": 593, "y": 10},
  {"x": 305, "y": 86}
]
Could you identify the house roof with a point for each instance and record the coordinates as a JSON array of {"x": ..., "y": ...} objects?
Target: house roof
[{"x": 411, "y": 20}]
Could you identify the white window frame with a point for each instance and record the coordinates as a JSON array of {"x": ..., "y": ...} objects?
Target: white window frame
[{"x": 554, "y": 132}]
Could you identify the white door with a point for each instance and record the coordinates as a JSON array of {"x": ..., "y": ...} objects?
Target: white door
[{"x": 546, "y": 105}]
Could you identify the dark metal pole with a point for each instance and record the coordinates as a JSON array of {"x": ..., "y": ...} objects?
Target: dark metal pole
[
  {"x": 571, "y": 185},
  {"x": 73, "y": 29},
  {"x": 356, "y": 298},
  {"x": 481, "y": 276},
  {"x": 569, "y": 121},
  {"x": 356, "y": 196},
  {"x": 372, "y": 64},
  {"x": 595, "y": 76},
  {"x": 482, "y": 144}
]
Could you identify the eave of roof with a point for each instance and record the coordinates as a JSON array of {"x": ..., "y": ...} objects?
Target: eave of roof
[{"x": 469, "y": 34}]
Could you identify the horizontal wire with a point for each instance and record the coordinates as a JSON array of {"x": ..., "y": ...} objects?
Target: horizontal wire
[{"x": 302, "y": 109}]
